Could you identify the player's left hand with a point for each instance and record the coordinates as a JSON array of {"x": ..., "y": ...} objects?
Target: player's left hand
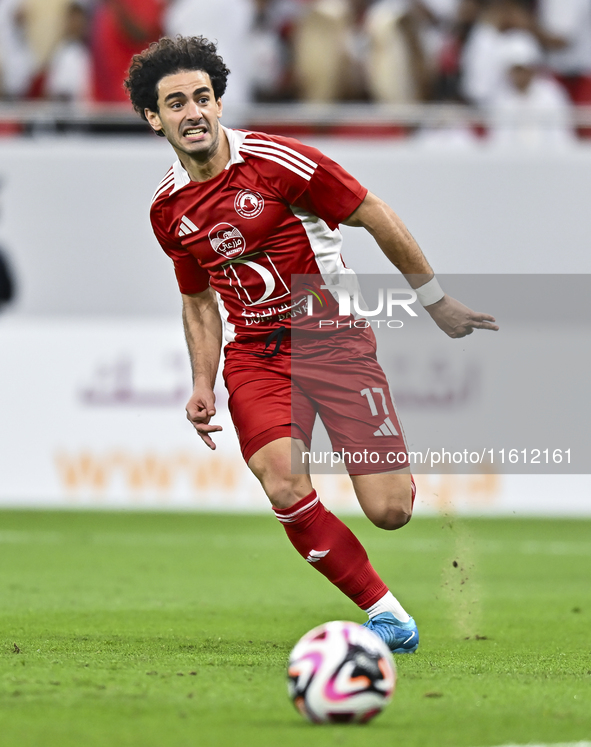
[
  {"x": 457, "y": 320},
  {"x": 200, "y": 410}
]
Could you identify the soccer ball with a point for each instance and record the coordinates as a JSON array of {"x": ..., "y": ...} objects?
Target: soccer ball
[{"x": 340, "y": 672}]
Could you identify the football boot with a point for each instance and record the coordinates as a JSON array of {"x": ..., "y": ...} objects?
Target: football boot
[{"x": 400, "y": 637}]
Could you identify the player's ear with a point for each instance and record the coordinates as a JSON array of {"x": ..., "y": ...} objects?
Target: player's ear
[
  {"x": 220, "y": 107},
  {"x": 153, "y": 120}
]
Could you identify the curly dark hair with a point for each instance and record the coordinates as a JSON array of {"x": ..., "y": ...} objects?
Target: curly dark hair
[{"x": 167, "y": 57}]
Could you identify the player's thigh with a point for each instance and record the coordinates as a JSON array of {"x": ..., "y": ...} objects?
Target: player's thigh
[
  {"x": 275, "y": 465},
  {"x": 352, "y": 396},
  {"x": 386, "y": 498},
  {"x": 263, "y": 403}
]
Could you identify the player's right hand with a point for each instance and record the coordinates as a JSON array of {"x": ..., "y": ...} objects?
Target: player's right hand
[
  {"x": 457, "y": 320},
  {"x": 200, "y": 409}
]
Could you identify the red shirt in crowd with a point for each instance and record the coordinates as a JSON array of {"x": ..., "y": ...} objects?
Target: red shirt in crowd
[{"x": 121, "y": 28}]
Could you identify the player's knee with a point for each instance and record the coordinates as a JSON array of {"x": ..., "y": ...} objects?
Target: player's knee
[
  {"x": 281, "y": 491},
  {"x": 394, "y": 512},
  {"x": 279, "y": 484},
  {"x": 392, "y": 517},
  {"x": 275, "y": 483}
]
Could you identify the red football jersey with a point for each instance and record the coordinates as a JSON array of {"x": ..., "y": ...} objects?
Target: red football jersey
[{"x": 272, "y": 213}]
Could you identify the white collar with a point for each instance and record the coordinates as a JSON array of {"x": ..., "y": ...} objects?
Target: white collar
[{"x": 235, "y": 140}]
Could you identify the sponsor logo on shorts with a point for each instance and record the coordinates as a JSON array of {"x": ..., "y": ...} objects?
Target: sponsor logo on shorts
[
  {"x": 249, "y": 204},
  {"x": 386, "y": 429},
  {"x": 227, "y": 240}
]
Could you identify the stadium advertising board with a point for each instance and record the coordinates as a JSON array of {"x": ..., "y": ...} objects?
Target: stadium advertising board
[{"x": 94, "y": 417}]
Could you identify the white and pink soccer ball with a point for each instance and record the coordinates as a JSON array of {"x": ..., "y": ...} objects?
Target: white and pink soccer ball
[{"x": 340, "y": 672}]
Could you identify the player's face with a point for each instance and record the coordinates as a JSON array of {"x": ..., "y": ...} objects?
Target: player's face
[{"x": 188, "y": 113}]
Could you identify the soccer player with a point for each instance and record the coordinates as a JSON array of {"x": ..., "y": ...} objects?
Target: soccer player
[{"x": 240, "y": 213}]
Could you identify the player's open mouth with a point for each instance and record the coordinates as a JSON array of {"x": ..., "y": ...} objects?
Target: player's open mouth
[{"x": 195, "y": 133}]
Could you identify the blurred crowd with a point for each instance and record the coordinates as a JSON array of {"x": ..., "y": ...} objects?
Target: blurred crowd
[{"x": 508, "y": 54}]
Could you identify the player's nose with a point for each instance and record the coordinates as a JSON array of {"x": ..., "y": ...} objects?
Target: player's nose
[{"x": 194, "y": 111}]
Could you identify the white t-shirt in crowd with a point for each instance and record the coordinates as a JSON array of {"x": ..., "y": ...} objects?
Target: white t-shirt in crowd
[
  {"x": 433, "y": 37},
  {"x": 483, "y": 64},
  {"x": 539, "y": 117},
  {"x": 227, "y": 22},
  {"x": 17, "y": 61},
  {"x": 69, "y": 73},
  {"x": 570, "y": 19},
  {"x": 445, "y": 10}
]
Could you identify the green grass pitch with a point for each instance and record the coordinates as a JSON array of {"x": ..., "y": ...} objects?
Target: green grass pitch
[{"x": 173, "y": 630}]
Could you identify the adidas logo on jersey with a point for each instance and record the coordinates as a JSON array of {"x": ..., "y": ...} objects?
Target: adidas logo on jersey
[
  {"x": 386, "y": 429},
  {"x": 187, "y": 226}
]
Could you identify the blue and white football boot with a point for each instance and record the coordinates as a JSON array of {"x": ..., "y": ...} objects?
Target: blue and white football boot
[{"x": 400, "y": 637}]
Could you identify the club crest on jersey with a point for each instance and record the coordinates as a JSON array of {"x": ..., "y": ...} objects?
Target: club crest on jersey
[
  {"x": 227, "y": 240},
  {"x": 248, "y": 204}
]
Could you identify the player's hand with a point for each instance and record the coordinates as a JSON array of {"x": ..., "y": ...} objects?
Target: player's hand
[
  {"x": 200, "y": 409},
  {"x": 457, "y": 320}
]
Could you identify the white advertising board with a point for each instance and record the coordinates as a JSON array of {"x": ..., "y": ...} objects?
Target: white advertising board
[{"x": 92, "y": 415}]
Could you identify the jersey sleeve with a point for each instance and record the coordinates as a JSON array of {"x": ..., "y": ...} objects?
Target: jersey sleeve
[
  {"x": 310, "y": 180},
  {"x": 332, "y": 193},
  {"x": 191, "y": 277}
]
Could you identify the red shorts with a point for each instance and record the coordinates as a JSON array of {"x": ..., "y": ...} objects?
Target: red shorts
[{"x": 338, "y": 379}]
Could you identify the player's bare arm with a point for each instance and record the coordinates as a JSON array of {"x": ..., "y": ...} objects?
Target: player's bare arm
[
  {"x": 203, "y": 331},
  {"x": 398, "y": 244}
]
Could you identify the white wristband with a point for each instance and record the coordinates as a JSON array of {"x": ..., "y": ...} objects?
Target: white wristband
[{"x": 429, "y": 293}]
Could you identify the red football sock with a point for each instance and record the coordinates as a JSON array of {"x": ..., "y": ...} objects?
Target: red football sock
[{"x": 332, "y": 548}]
